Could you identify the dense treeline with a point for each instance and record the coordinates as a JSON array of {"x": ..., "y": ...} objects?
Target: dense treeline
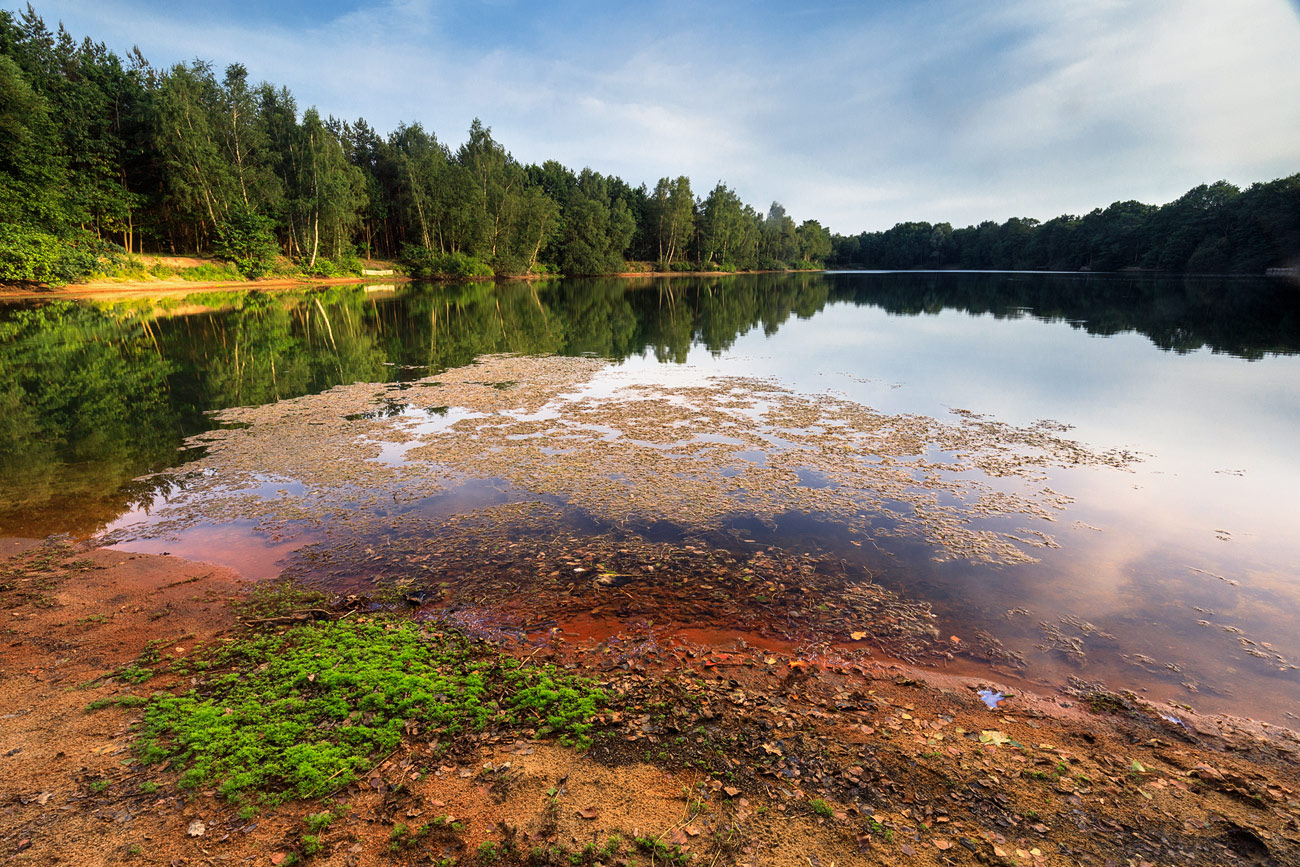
[
  {"x": 100, "y": 155},
  {"x": 1214, "y": 229}
]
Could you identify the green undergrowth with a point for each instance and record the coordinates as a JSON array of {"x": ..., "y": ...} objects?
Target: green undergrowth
[{"x": 303, "y": 712}]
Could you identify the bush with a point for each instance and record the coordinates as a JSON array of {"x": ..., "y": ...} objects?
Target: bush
[
  {"x": 346, "y": 265},
  {"x": 247, "y": 240},
  {"x": 30, "y": 256},
  {"x": 426, "y": 263}
]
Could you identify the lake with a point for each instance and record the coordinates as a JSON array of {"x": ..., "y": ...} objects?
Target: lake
[{"x": 1046, "y": 478}]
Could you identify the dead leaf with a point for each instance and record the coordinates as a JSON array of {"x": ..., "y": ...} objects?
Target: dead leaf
[
  {"x": 589, "y": 812},
  {"x": 857, "y": 636},
  {"x": 942, "y": 844},
  {"x": 278, "y": 858},
  {"x": 196, "y": 829}
]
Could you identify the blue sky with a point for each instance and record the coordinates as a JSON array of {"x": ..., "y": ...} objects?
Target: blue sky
[{"x": 857, "y": 114}]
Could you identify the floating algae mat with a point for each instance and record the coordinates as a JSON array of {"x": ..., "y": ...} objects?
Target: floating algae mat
[{"x": 584, "y": 433}]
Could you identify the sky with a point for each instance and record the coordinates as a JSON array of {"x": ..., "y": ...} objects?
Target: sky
[{"x": 860, "y": 115}]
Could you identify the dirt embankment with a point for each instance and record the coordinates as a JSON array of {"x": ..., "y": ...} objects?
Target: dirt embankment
[
  {"x": 110, "y": 290},
  {"x": 171, "y": 288},
  {"x": 716, "y": 752}
]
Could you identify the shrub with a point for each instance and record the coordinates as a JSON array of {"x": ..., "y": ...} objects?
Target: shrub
[
  {"x": 429, "y": 264},
  {"x": 30, "y": 256},
  {"x": 247, "y": 240}
]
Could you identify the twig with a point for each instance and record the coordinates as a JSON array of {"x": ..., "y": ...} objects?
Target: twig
[{"x": 296, "y": 617}]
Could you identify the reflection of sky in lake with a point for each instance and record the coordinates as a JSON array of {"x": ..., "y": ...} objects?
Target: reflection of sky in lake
[
  {"x": 1212, "y": 502},
  {"x": 1201, "y": 417}
]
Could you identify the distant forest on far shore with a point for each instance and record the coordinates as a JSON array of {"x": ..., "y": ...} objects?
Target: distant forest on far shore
[
  {"x": 103, "y": 157},
  {"x": 1212, "y": 229}
]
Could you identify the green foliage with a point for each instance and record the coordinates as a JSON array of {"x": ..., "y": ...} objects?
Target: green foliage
[
  {"x": 32, "y": 256},
  {"x": 28, "y": 255},
  {"x": 661, "y": 852},
  {"x": 278, "y": 598},
  {"x": 248, "y": 241},
  {"x": 209, "y": 273},
  {"x": 305, "y": 712},
  {"x": 1215, "y": 229},
  {"x": 430, "y": 264},
  {"x": 117, "y": 701},
  {"x": 184, "y": 158},
  {"x": 346, "y": 265}
]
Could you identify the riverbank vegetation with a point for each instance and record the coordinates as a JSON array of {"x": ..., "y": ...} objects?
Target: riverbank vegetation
[{"x": 105, "y": 156}]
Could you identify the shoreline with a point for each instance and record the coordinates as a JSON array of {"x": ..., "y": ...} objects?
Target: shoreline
[
  {"x": 175, "y": 288},
  {"x": 854, "y": 762},
  {"x": 171, "y": 288}
]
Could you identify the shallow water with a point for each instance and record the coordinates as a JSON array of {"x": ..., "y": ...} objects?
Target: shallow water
[{"x": 1178, "y": 573}]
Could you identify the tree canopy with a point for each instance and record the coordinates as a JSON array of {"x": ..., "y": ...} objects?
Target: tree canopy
[
  {"x": 98, "y": 154},
  {"x": 101, "y": 155},
  {"x": 1212, "y": 229}
]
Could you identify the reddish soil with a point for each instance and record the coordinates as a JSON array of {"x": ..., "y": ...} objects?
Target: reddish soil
[{"x": 912, "y": 767}]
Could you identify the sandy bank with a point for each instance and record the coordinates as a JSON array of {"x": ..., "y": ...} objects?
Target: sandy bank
[{"x": 114, "y": 291}]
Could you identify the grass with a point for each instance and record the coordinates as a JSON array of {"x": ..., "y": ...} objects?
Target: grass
[{"x": 304, "y": 712}]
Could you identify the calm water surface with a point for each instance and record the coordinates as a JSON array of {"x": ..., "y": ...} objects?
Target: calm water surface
[{"x": 1190, "y": 558}]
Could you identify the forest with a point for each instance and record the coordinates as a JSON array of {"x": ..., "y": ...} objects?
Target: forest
[
  {"x": 102, "y": 156},
  {"x": 1212, "y": 229}
]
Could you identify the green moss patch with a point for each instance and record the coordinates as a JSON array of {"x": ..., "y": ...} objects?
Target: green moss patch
[{"x": 303, "y": 712}]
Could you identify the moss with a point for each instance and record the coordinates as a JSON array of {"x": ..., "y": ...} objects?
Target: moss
[
  {"x": 306, "y": 711},
  {"x": 116, "y": 701},
  {"x": 277, "y": 599}
]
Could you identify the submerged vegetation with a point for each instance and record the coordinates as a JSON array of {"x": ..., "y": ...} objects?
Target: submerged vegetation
[{"x": 303, "y": 712}]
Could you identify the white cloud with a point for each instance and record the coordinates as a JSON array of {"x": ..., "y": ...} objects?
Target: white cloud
[{"x": 944, "y": 110}]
